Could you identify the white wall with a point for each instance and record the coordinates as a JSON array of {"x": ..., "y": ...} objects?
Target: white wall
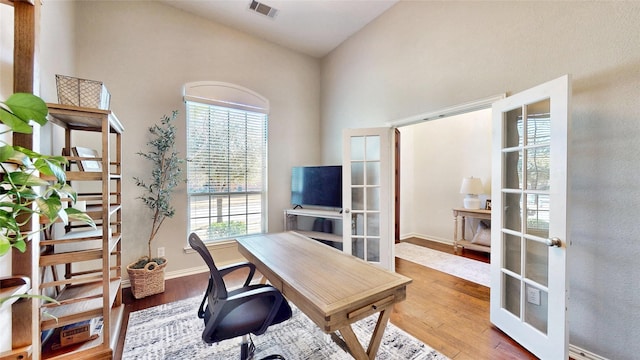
[
  {"x": 424, "y": 56},
  {"x": 145, "y": 52},
  {"x": 435, "y": 157}
]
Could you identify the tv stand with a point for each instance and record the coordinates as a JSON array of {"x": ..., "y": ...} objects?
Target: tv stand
[{"x": 301, "y": 221}]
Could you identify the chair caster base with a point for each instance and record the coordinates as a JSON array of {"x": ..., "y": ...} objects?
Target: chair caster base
[{"x": 247, "y": 351}]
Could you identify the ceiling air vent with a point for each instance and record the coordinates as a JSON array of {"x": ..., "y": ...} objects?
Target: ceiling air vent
[{"x": 263, "y": 9}]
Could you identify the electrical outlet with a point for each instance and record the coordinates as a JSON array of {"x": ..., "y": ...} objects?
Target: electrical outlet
[
  {"x": 533, "y": 295},
  {"x": 160, "y": 251}
]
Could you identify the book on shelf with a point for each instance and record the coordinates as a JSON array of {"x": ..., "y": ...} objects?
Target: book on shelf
[{"x": 80, "y": 332}]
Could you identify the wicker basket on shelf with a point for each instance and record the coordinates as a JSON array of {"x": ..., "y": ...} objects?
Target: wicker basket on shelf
[
  {"x": 82, "y": 92},
  {"x": 148, "y": 280}
]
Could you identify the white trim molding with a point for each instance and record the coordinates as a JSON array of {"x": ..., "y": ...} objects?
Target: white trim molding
[
  {"x": 226, "y": 95},
  {"x": 450, "y": 111},
  {"x": 577, "y": 353}
]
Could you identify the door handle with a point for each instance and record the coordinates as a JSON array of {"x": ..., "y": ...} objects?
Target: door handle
[
  {"x": 554, "y": 242},
  {"x": 346, "y": 211}
]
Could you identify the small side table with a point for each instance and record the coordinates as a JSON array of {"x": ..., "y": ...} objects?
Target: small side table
[{"x": 462, "y": 242}]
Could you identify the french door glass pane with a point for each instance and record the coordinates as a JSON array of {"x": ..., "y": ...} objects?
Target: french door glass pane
[
  {"x": 538, "y": 168},
  {"x": 537, "y": 260},
  {"x": 513, "y": 131},
  {"x": 357, "y": 173},
  {"x": 357, "y": 247},
  {"x": 513, "y": 178},
  {"x": 357, "y": 224},
  {"x": 512, "y": 253},
  {"x": 511, "y": 300},
  {"x": 513, "y": 211},
  {"x": 373, "y": 198},
  {"x": 372, "y": 148},
  {"x": 373, "y": 249},
  {"x": 357, "y": 199},
  {"x": 373, "y": 224},
  {"x": 536, "y": 308},
  {"x": 373, "y": 173},
  {"x": 538, "y": 215},
  {"x": 357, "y": 148},
  {"x": 539, "y": 123}
]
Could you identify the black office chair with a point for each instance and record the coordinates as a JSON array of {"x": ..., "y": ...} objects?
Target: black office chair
[{"x": 239, "y": 312}]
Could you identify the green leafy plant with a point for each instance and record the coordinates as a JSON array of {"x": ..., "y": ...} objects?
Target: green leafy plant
[
  {"x": 23, "y": 193},
  {"x": 166, "y": 173},
  {"x": 223, "y": 229}
]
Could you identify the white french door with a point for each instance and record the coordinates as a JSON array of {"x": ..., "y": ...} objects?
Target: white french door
[
  {"x": 529, "y": 219},
  {"x": 367, "y": 197}
]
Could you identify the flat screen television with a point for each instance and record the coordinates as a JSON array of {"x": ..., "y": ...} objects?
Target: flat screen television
[{"x": 316, "y": 186}]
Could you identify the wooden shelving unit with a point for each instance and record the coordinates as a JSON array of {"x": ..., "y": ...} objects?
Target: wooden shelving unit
[
  {"x": 13, "y": 286},
  {"x": 90, "y": 260}
]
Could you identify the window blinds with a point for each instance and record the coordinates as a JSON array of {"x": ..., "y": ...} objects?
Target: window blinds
[{"x": 226, "y": 171}]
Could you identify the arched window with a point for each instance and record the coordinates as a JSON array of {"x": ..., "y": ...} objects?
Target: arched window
[{"x": 227, "y": 160}]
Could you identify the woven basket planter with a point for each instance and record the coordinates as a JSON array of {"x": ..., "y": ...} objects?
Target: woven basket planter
[{"x": 146, "y": 281}]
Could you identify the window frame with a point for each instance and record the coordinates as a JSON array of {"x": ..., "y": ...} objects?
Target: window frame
[{"x": 233, "y": 99}]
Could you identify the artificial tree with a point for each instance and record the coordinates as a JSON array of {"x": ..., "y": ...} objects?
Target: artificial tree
[{"x": 166, "y": 174}]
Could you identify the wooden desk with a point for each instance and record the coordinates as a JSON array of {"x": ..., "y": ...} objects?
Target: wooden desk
[
  {"x": 332, "y": 288},
  {"x": 462, "y": 242}
]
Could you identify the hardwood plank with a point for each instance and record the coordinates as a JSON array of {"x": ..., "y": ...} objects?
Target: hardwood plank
[{"x": 447, "y": 313}]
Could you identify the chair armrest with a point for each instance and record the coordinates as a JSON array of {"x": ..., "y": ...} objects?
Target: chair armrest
[
  {"x": 266, "y": 290},
  {"x": 233, "y": 267}
]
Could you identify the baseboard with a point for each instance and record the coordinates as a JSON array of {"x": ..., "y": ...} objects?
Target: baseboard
[
  {"x": 577, "y": 353},
  {"x": 426, "y": 237},
  {"x": 225, "y": 245},
  {"x": 175, "y": 274}
]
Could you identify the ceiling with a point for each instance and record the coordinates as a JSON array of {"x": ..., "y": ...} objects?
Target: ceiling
[{"x": 312, "y": 27}]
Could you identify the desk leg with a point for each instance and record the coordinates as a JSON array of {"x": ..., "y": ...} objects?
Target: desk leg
[
  {"x": 354, "y": 346},
  {"x": 455, "y": 233},
  {"x": 376, "y": 337}
]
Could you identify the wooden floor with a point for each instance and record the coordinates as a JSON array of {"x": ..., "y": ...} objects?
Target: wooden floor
[{"x": 447, "y": 313}]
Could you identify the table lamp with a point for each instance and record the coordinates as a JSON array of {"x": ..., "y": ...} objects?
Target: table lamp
[{"x": 471, "y": 187}]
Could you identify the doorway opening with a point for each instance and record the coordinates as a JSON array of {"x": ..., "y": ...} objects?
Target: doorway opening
[{"x": 436, "y": 151}]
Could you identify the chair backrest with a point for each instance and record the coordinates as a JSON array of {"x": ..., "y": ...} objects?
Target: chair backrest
[{"x": 219, "y": 290}]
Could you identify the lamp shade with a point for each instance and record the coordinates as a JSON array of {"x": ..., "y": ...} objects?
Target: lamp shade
[{"x": 471, "y": 185}]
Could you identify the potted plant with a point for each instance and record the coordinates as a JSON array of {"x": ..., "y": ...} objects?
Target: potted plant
[
  {"x": 147, "y": 273},
  {"x": 24, "y": 194}
]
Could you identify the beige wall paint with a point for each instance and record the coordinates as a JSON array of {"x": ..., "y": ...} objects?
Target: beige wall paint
[
  {"x": 6, "y": 51},
  {"x": 419, "y": 57},
  {"x": 435, "y": 156},
  {"x": 6, "y": 88},
  {"x": 145, "y": 52}
]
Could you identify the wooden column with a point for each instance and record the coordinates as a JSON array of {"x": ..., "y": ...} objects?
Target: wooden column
[
  {"x": 25, "y": 326},
  {"x": 26, "y": 29}
]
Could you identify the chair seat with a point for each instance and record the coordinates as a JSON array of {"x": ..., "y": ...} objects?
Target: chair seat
[{"x": 246, "y": 318}]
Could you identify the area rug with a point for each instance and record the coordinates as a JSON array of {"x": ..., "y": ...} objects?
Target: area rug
[
  {"x": 173, "y": 331},
  {"x": 468, "y": 269}
]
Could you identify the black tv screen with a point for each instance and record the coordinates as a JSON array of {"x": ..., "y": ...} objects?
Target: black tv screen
[{"x": 316, "y": 186}]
